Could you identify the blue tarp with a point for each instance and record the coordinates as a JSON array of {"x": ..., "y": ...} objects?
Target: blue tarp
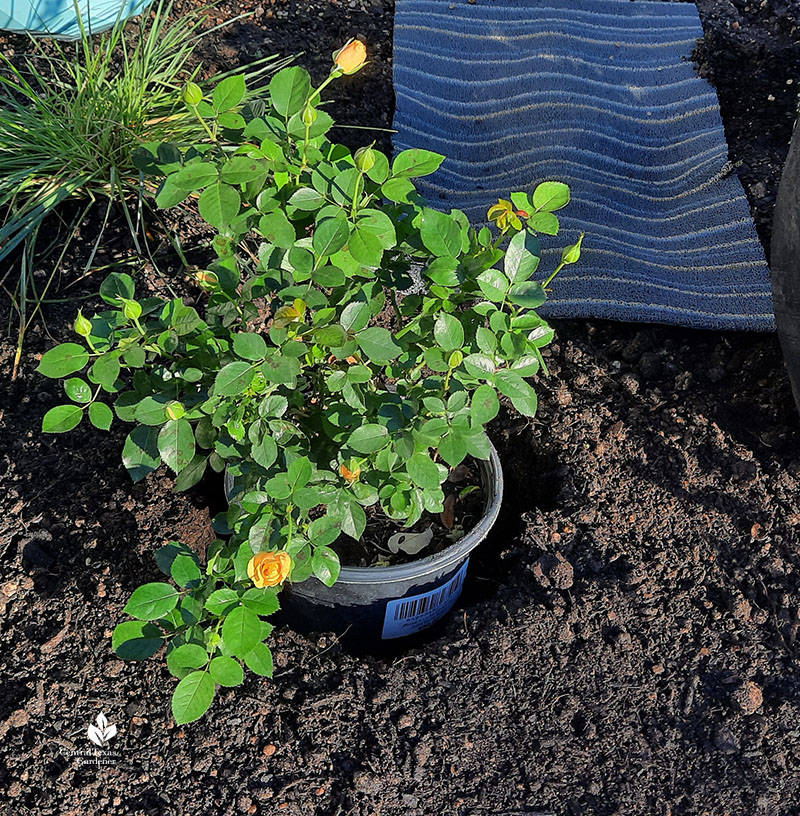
[
  {"x": 59, "y": 18},
  {"x": 601, "y": 94}
]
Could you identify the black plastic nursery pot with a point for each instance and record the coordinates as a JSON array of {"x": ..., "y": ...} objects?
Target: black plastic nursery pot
[
  {"x": 385, "y": 603},
  {"x": 785, "y": 263}
]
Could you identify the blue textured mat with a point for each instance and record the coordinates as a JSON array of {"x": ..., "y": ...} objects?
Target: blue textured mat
[
  {"x": 601, "y": 94},
  {"x": 62, "y": 20}
]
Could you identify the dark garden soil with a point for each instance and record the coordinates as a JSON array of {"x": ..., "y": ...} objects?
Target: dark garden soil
[{"x": 627, "y": 642}]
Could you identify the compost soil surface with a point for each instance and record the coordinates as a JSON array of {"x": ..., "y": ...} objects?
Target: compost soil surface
[{"x": 627, "y": 642}]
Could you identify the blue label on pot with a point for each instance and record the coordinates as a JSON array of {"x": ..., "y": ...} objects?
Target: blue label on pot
[{"x": 416, "y": 612}]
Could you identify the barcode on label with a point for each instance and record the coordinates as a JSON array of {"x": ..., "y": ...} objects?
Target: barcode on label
[{"x": 408, "y": 615}]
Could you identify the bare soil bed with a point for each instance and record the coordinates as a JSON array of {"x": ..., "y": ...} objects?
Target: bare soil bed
[{"x": 627, "y": 643}]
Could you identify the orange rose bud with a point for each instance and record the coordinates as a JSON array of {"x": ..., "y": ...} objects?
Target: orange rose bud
[
  {"x": 268, "y": 569},
  {"x": 350, "y": 475},
  {"x": 351, "y": 57}
]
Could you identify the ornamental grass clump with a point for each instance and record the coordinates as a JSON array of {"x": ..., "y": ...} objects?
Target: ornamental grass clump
[
  {"x": 315, "y": 377},
  {"x": 70, "y": 125}
]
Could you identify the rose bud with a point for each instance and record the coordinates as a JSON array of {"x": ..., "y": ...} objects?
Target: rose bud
[
  {"x": 309, "y": 115},
  {"x": 351, "y": 475},
  {"x": 365, "y": 159},
  {"x": 351, "y": 57},
  {"x": 192, "y": 94},
  {"x": 268, "y": 569},
  {"x": 572, "y": 254},
  {"x": 83, "y": 326}
]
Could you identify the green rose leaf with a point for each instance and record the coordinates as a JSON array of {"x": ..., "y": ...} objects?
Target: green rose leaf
[
  {"x": 277, "y": 229},
  {"x": 169, "y": 194},
  {"x": 176, "y": 444},
  {"x": 281, "y": 370},
  {"x": 63, "y": 360},
  {"x": 62, "y": 418},
  {"x": 181, "y": 318},
  {"x": 117, "y": 285},
  {"x": 194, "y": 176},
  {"x": 152, "y": 601},
  {"x": 377, "y": 343},
  {"x": 261, "y": 601},
  {"x": 448, "y": 332},
  {"x": 380, "y": 225},
  {"x": 323, "y": 531},
  {"x": 229, "y": 93},
  {"x": 442, "y": 271},
  {"x": 265, "y": 452},
  {"x": 453, "y": 448},
  {"x": 187, "y": 656},
  {"x": 307, "y": 198},
  {"x": 191, "y": 473},
  {"x": 101, "y": 416},
  {"x": 333, "y": 336},
  {"x": 278, "y": 487},
  {"x": 140, "y": 453},
  {"x": 226, "y": 671},
  {"x": 353, "y": 518},
  {"x": 78, "y": 390},
  {"x": 222, "y": 600},
  {"x": 289, "y": 90},
  {"x": 168, "y": 553},
  {"x": 544, "y": 222},
  {"x": 366, "y": 247},
  {"x": 233, "y": 378},
  {"x": 185, "y": 571},
  {"x": 440, "y": 233},
  {"x": 355, "y": 316},
  {"x": 414, "y": 163},
  {"x": 299, "y": 472},
  {"x": 219, "y": 205},
  {"x": 325, "y": 565},
  {"x": 192, "y": 697},
  {"x": 529, "y": 294},
  {"x": 330, "y": 236},
  {"x": 550, "y": 196},
  {"x": 242, "y": 169},
  {"x": 520, "y": 261},
  {"x": 151, "y": 411},
  {"x": 136, "y": 640},
  {"x": 241, "y": 630},
  {"x": 494, "y": 284},
  {"x": 368, "y": 438},
  {"x": 259, "y": 660},
  {"x": 423, "y": 471},
  {"x": 249, "y": 346},
  {"x": 522, "y": 396},
  {"x": 400, "y": 190},
  {"x": 479, "y": 365},
  {"x": 105, "y": 371},
  {"x": 485, "y": 405},
  {"x": 328, "y": 275}
]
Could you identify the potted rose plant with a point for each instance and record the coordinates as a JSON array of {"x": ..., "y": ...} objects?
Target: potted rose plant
[{"x": 353, "y": 347}]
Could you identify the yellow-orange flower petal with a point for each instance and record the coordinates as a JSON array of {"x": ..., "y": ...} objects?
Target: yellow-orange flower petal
[
  {"x": 350, "y": 475},
  {"x": 351, "y": 57},
  {"x": 268, "y": 569}
]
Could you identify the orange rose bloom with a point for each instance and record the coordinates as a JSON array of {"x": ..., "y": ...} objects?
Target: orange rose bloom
[
  {"x": 350, "y": 58},
  {"x": 350, "y": 475},
  {"x": 267, "y": 569}
]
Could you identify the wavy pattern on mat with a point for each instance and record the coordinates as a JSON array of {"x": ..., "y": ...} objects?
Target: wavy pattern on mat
[{"x": 601, "y": 94}]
